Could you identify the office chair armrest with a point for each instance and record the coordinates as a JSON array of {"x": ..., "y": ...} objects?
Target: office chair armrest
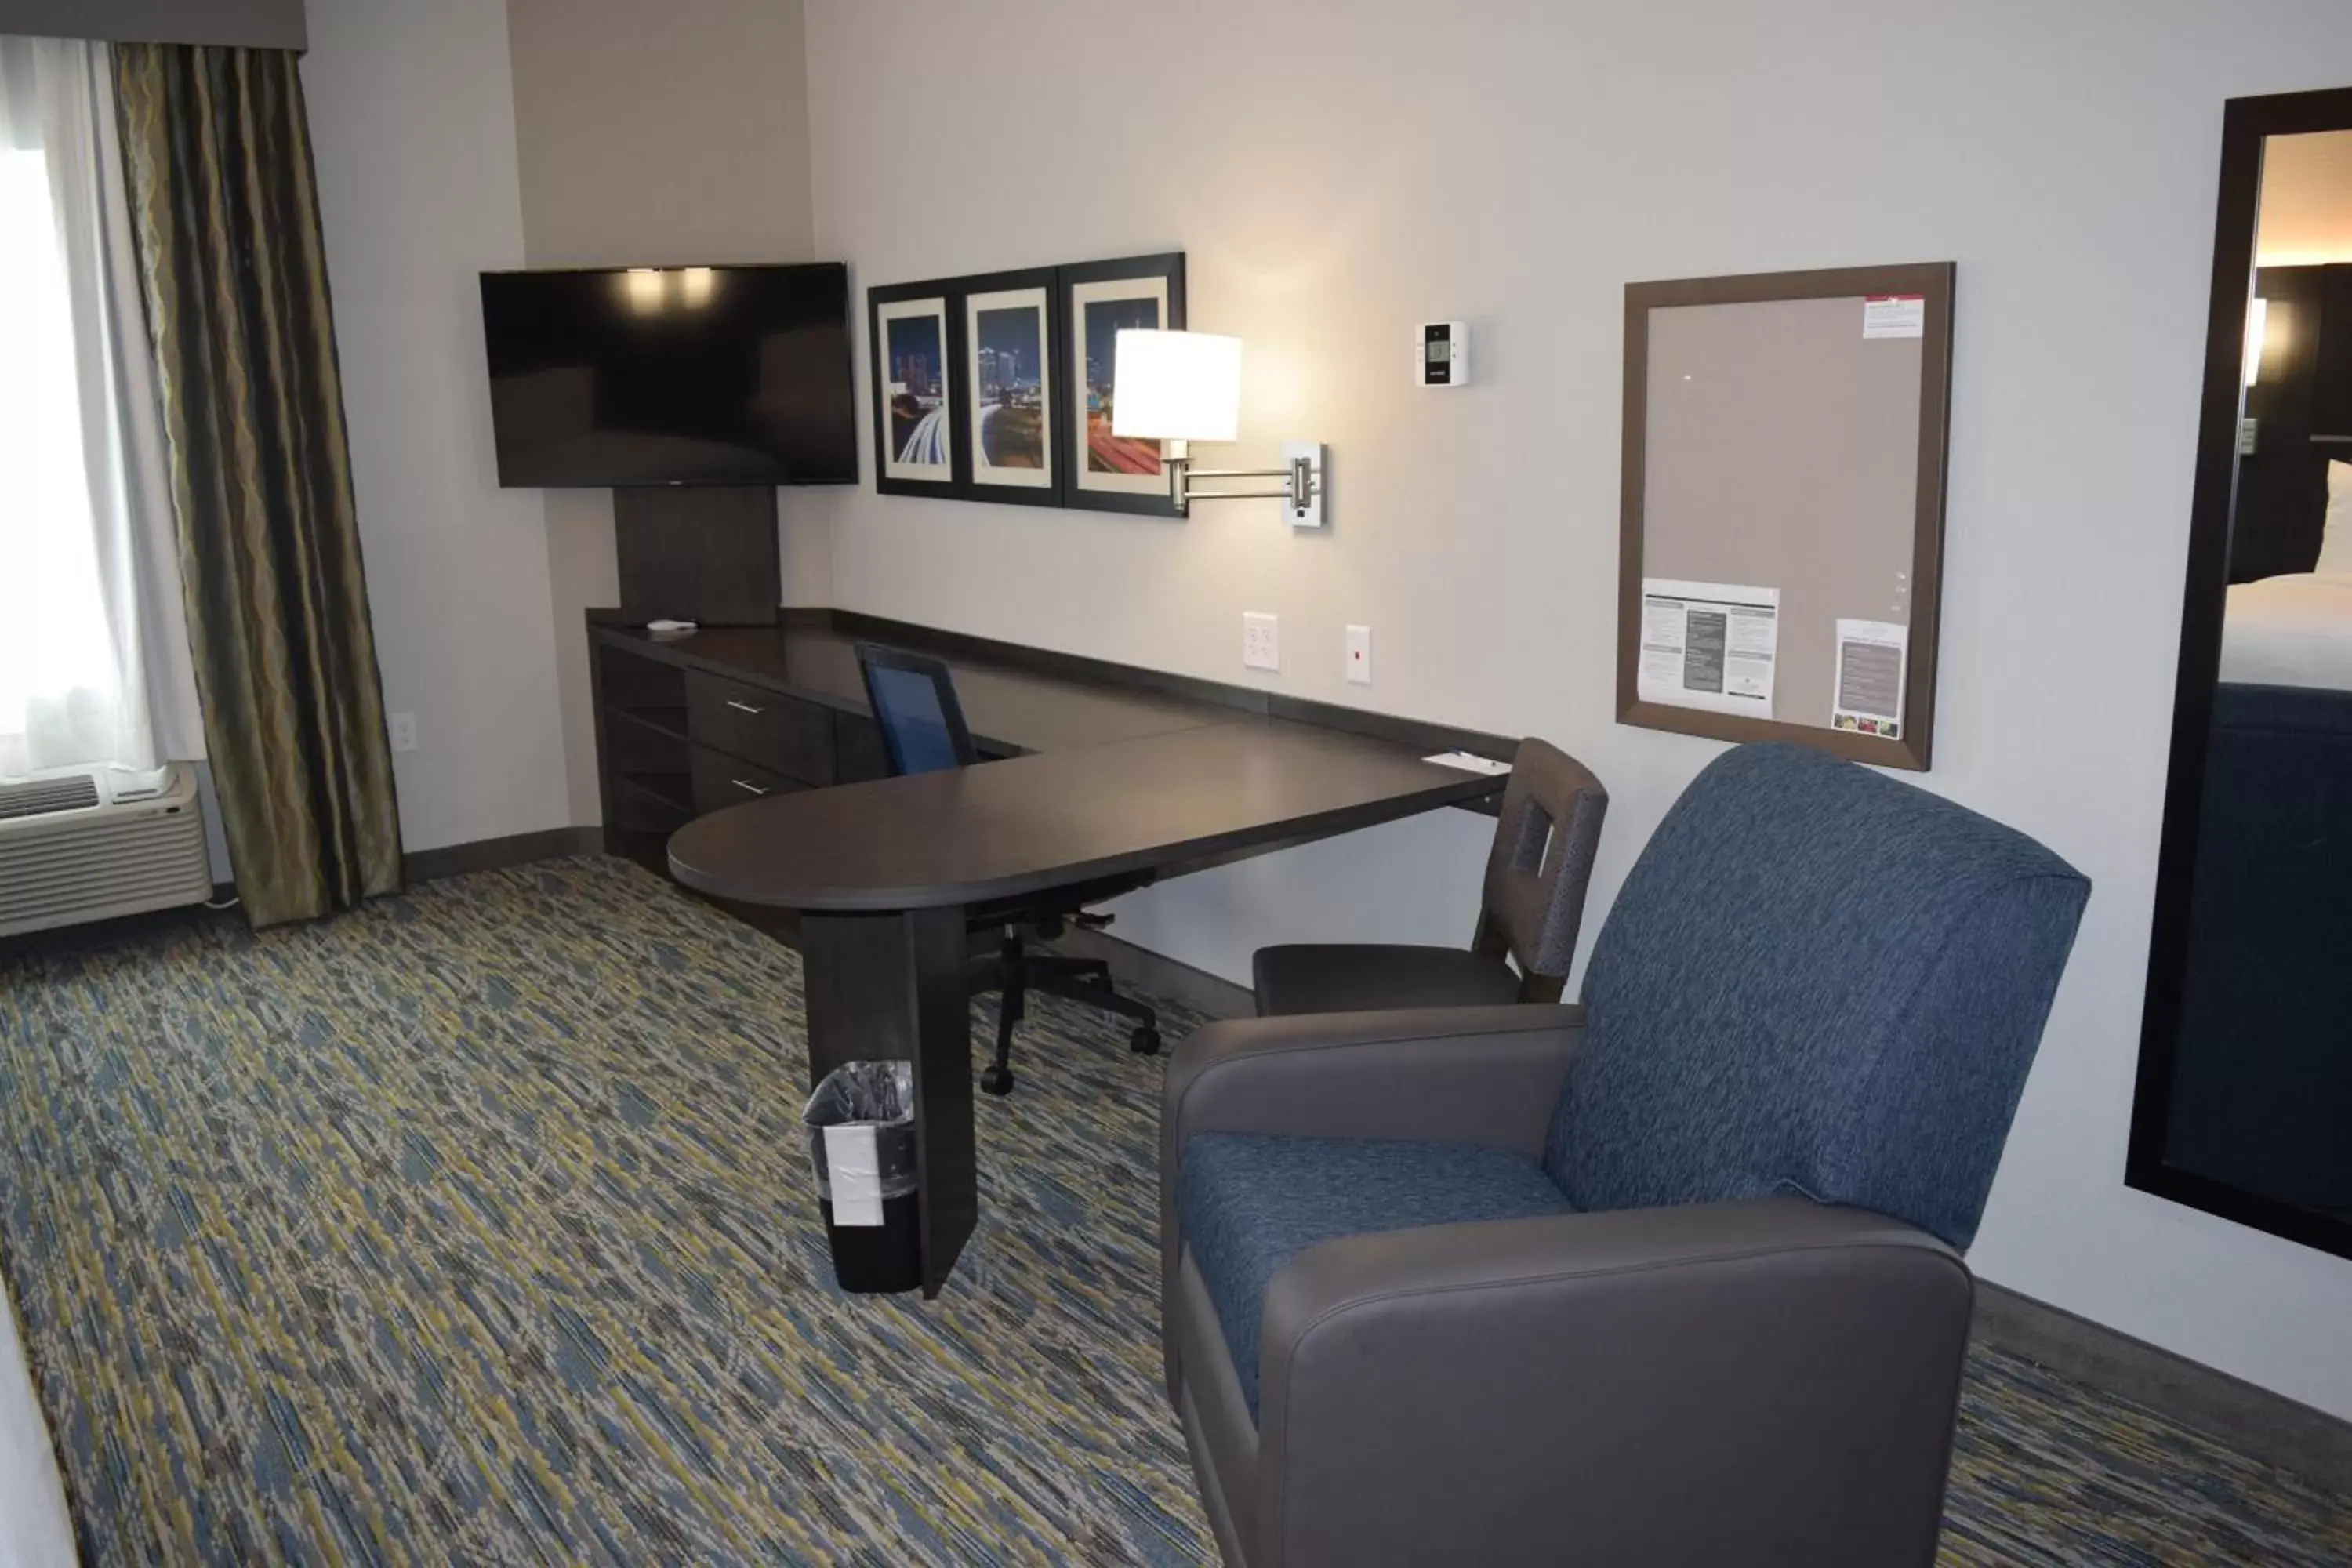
[
  {"x": 1463, "y": 1074},
  {"x": 1764, "y": 1381}
]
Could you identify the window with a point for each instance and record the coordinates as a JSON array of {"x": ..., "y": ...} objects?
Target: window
[
  {"x": 94, "y": 664},
  {"x": 60, "y": 686}
]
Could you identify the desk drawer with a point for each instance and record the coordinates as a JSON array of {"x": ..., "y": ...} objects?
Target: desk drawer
[
  {"x": 721, "y": 780},
  {"x": 782, "y": 734}
]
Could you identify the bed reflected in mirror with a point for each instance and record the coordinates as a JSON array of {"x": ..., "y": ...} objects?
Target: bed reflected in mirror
[{"x": 2246, "y": 1083}]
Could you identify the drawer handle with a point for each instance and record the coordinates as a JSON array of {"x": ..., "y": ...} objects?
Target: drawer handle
[
  {"x": 745, "y": 785},
  {"x": 743, "y": 707}
]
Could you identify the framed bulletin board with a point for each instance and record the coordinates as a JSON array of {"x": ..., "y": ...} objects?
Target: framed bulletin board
[{"x": 1783, "y": 507}]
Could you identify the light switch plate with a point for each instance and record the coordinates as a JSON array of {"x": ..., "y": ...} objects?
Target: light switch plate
[
  {"x": 2248, "y": 434},
  {"x": 1360, "y": 655},
  {"x": 403, "y": 732},
  {"x": 1261, "y": 641}
]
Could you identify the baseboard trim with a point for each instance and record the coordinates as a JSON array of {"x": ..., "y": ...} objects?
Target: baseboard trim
[
  {"x": 2268, "y": 1427},
  {"x": 2281, "y": 1432},
  {"x": 498, "y": 854},
  {"x": 1141, "y": 969}
]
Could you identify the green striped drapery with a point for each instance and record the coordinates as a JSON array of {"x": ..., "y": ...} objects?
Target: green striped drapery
[{"x": 216, "y": 160}]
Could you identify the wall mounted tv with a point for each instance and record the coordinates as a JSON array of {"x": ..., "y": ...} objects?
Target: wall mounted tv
[{"x": 671, "y": 375}]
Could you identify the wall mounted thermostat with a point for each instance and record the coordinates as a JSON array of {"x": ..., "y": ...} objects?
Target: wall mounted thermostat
[{"x": 1442, "y": 353}]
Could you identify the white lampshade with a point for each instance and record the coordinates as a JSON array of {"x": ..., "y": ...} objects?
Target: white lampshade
[{"x": 1176, "y": 386}]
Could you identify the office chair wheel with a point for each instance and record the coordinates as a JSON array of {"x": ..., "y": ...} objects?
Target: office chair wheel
[
  {"x": 996, "y": 1080},
  {"x": 1144, "y": 1041}
]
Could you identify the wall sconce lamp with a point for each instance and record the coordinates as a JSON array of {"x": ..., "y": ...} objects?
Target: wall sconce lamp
[
  {"x": 1181, "y": 387},
  {"x": 2258, "y": 323}
]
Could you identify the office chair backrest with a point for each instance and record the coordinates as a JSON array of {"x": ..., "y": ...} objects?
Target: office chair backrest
[
  {"x": 1541, "y": 861},
  {"x": 914, "y": 702},
  {"x": 1815, "y": 981}
]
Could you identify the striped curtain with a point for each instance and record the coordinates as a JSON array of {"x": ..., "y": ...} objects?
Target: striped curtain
[{"x": 217, "y": 159}]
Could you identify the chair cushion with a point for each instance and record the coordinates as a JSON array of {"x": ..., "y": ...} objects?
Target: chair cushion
[
  {"x": 1323, "y": 977},
  {"x": 1250, "y": 1203},
  {"x": 1816, "y": 980}
]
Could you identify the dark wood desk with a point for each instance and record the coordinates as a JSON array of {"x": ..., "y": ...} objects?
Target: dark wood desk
[
  {"x": 1160, "y": 804},
  {"x": 884, "y": 875},
  {"x": 1011, "y": 710},
  {"x": 717, "y": 749}
]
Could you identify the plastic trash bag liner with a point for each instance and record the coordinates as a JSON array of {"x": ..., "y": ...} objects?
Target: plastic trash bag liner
[{"x": 862, "y": 1124}]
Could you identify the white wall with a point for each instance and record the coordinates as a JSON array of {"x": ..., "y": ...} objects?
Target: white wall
[
  {"x": 412, "y": 118},
  {"x": 1338, "y": 172}
]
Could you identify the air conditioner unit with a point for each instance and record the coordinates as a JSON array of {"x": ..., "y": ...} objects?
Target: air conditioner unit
[{"x": 89, "y": 846}]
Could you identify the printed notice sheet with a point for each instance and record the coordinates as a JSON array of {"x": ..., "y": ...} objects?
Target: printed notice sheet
[
  {"x": 1868, "y": 698},
  {"x": 1894, "y": 316},
  {"x": 1709, "y": 645}
]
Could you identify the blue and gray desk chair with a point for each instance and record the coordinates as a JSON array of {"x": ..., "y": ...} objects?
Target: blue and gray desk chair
[
  {"x": 923, "y": 731},
  {"x": 1671, "y": 1276}
]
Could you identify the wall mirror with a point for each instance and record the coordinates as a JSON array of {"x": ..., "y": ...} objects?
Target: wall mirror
[{"x": 2244, "y": 1100}]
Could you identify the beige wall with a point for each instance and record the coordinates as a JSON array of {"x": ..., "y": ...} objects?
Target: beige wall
[
  {"x": 655, "y": 135},
  {"x": 411, "y": 117},
  {"x": 1339, "y": 170}
]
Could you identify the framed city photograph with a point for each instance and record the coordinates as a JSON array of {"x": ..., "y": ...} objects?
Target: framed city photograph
[
  {"x": 1009, "y": 385},
  {"x": 915, "y": 429},
  {"x": 1099, "y": 299}
]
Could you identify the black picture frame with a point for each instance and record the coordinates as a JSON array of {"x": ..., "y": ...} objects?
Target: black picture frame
[
  {"x": 1084, "y": 486},
  {"x": 971, "y": 298},
  {"x": 885, "y": 306},
  {"x": 964, "y": 473},
  {"x": 2247, "y": 124}
]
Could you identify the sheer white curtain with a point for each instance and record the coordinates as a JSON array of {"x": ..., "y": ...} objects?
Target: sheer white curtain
[{"x": 94, "y": 665}]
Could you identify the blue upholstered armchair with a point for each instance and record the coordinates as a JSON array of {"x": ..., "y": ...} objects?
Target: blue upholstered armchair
[{"x": 1671, "y": 1276}]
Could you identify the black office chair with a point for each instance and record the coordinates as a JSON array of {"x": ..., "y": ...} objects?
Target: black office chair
[
  {"x": 1533, "y": 904},
  {"x": 923, "y": 731}
]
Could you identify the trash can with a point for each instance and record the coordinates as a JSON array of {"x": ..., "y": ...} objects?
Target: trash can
[{"x": 861, "y": 1123}]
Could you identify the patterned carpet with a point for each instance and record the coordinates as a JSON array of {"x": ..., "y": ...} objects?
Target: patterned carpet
[{"x": 474, "y": 1227}]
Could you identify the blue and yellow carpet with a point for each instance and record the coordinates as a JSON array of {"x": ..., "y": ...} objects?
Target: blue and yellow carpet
[{"x": 475, "y": 1226}]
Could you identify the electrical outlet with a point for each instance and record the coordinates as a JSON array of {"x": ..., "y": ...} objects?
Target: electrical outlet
[
  {"x": 1261, "y": 641},
  {"x": 403, "y": 732},
  {"x": 1360, "y": 655}
]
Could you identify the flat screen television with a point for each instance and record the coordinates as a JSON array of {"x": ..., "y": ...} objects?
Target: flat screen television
[{"x": 671, "y": 375}]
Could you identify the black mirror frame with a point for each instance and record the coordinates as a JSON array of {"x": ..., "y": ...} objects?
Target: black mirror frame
[{"x": 2247, "y": 124}]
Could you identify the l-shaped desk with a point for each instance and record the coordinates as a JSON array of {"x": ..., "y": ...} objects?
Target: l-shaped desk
[{"x": 1110, "y": 775}]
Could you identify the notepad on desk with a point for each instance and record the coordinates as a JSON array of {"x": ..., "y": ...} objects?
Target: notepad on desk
[{"x": 1469, "y": 763}]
